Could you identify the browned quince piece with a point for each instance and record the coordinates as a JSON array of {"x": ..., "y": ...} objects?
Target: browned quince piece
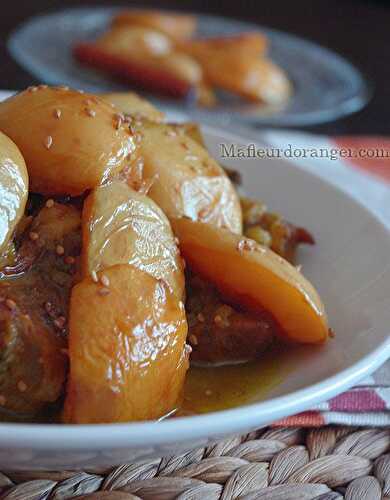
[
  {"x": 187, "y": 180},
  {"x": 255, "y": 278},
  {"x": 121, "y": 226},
  {"x": 71, "y": 141},
  {"x": 127, "y": 350}
]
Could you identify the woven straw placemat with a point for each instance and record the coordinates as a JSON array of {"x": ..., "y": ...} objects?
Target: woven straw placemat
[{"x": 328, "y": 463}]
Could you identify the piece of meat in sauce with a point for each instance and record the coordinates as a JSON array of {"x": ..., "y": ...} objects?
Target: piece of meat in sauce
[
  {"x": 220, "y": 333},
  {"x": 34, "y": 297}
]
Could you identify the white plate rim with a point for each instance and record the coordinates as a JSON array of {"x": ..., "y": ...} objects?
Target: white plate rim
[{"x": 127, "y": 435}]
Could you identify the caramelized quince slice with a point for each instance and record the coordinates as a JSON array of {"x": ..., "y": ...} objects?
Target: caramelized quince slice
[
  {"x": 255, "y": 278},
  {"x": 121, "y": 226},
  {"x": 71, "y": 141},
  {"x": 126, "y": 348},
  {"x": 13, "y": 188},
  {"x": 187, "y": 180}
]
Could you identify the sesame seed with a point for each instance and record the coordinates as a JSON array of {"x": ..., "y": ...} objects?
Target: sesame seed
[
  {"x": 332, "y": 334},
  {"x": 88, "y": 102},
  {"x": 188, "y": 349},
  {"x": 177, "y": 241},
  {"x": 63, "y": 87},
  {"x": 48, "y": 306},
  {"x": 57, "y": 113},
  {"x": 193, "y": 339},
  {"x": 94, "y": 276},
  {"x": 70, "y": 260},
  {"x": 81, "y": 91},
  {"x": 11, "y": 304},
  {"x": 22, "y": 386},
  {"x": 42, "y": 86},
  {"x": 103, "y": 291},
  {"x": 32, "y": 89},
  {"x": 208, "y": 392},
  {"x": 3, "y": 400},
  {"x": 104, "y": 280},
  {"x": 33, "y": 236},
  {"x": 201, "y": 318},
  {"x": 60, "y": 250},
  {"x": 90, "y": 112},
  {"x": 118, "y": 124},
  {"x": 48, "y": 142},
  {"x": 50, "y": 203},
  {"x": 183, "y": 263},
  {"x": 299, "y": 267},
  {"x": 246, "y": 244}
]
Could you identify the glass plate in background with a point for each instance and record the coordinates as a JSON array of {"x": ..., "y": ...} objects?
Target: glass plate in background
[{"x": 326, "y": 86}]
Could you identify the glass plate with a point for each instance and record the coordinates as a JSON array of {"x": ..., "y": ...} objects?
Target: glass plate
[{"x": 326, "y": 86}]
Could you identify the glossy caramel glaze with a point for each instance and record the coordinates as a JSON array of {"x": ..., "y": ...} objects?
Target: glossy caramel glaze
[
  {"x": 126, "y": 348},
  {"x": 187, "y": 181},
  {"x": 13, "y": 188},
  {"x": 121, "y": 226},
  {"x": 70, "y": 141}
]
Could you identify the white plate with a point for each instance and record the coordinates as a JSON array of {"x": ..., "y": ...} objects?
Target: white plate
[{"x": 350, "y": 267}]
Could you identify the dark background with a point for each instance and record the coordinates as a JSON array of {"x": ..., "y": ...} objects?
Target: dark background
[{"x": 358, "y": 29}]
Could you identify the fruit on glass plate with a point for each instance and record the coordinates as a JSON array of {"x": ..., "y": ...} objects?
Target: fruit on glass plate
[
  {"x": 147, "y": 59},
  {"x": 255, "y": 278},
  {"x": 128, "y": 357},
  {"x": 176, "y": 26},
  {"x": 135, "y": 41},
  {"x": 253, "y": 43},
  {"x": 235, "y": 64},
  {"x": 187, "y": 180},
  {"x": 70, "y": 141},
  {"x": 134, "y": 105},
  {"x": 13, "y": 188},
  {"x": 146, "y": 74},
  {"x": 121, "y": 226}
]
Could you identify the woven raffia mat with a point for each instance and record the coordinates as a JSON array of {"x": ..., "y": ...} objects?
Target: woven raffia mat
[{"x": 328, "y": 463}]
